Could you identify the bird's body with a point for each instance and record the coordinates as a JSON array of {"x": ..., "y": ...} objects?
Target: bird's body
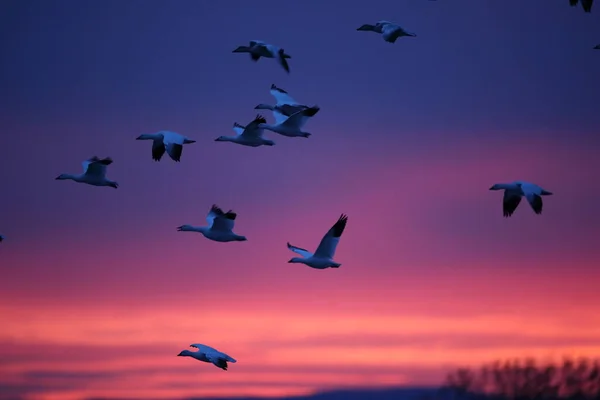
[
  {"x": 94, "y": 173},
  {"x": 389, "y": 31},
  {"x": 249, "y": 135},
  {"x": 166, "y": 141},
  {"x": 514, "y": 191},
  {"x": 208, "y": 354},
  {"x": 285, "y": 106},
  {"x": 219, "y": 228},
  {"x": 585, "y": 4},
  {"x": 258, "y": 49},
  {"x": 323, "y": 256}
]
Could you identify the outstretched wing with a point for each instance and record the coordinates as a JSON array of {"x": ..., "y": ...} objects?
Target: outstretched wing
[
  {"x": 510, "y": 202},
  {"x": 331, "y": 239},
  {"x": 587, "y": 5},
  {"x": 96, "y": 166},
  {"x": 219, "y": 220},
  {"x": 303, "y": 252},
  {"x": 158, "y": 149},
  {"x": 299, "y": 119},
  {"x": 535, "y": 201},
  {"x": 282, "y": 97},
  {"x": 282, "y": 61},
  {"x": 252, "y": 130}
]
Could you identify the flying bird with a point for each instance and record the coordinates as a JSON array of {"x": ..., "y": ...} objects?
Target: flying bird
[
  {"x": 389, "y": 30},
  {"x": 258, "y": 49},
  {"x": 208, "y": 354},
  {"x": 323, "y": 256},
  {"x": 219, "y": 228},
  {"x": 285, "y": 106},
  {"x": 94, "y": 173},
  {"x": 517, "y": 189},
  {"x": 292, "y": 125},
  {"x": 249, "y": 135},
  {"x": 586, "y": 4},
  {"x": 162, "y": 141}
]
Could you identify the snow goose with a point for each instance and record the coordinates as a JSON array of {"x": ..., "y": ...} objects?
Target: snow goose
[
  {"x": 586, "y": 4},
  {"x": 515, "y": 190},
  {"x": 285, "y": 106},
  {"x": 162, "y": 141},
  {"x": 94, "y": 173},
  {"x": 389, "y": 30},
  {"x": 323, "y": 257},
  {"x": 292, "y": 126},
  {"x": 219, "y": 228},
  {"x": 249, "y": 135},
  {"x": 258, "y": 49},
  {"x": 208, "y": 354}
]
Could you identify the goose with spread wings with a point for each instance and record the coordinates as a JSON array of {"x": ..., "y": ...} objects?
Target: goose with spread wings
[
  {"x": 208, "y": 354},
  {"x": 219, "y": 228},
  {"x": 323, "y": 256},
  {"x": 389, "y": 31},
  {"x": 249, "y": 135},
  {"x": 586, "y": 4},
  {"x": 285, "y": 106},
  {"x": 514, "y": 191},
  {"x": 94, "y": 173},
  {"x": 168, "y": 141},
  {"x": 258, "y": 49}
]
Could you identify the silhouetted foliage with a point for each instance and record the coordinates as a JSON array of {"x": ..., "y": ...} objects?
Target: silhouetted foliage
[{"x": 527, "y": 380}]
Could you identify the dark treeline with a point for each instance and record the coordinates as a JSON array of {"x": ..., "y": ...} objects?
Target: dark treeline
[{"x": 571, "y": 379}]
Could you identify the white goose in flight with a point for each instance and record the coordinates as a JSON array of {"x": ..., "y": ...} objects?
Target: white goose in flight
[
  {"x": 162, "y": 141},
  {"x": 249, "y": 135},
  {"x": 285, "y": 105},
  {"x": 515, "y": 190},
  {"x": 219, "y": 228},
  {"x": 389, "y": 30},
  {"x": 292, "y": 125},
  {"x": 94, "y": 173},
  {"x": 323, "y": 256},
  {"x": 258, "y": 49},
  {"x": 208, "y": 354}
]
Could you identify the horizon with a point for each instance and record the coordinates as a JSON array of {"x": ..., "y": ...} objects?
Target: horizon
[{"x": 100, "y": 292}]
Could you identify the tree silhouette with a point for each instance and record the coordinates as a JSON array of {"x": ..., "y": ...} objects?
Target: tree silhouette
[{"x": 527, "y": 380}]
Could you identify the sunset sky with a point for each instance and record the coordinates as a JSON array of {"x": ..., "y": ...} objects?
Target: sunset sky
[{"x": 99, "y": 292}]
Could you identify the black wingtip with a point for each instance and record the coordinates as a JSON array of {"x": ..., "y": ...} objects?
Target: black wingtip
[
  {"x": 260, "y": 119},
  {"x": 230, "y": 215},
  {"x": 311, "y": 111},
  {"x": 340, "y": 225}
]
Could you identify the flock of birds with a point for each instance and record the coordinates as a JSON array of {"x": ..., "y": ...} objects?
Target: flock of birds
[{"x": 290, "y": 118}]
